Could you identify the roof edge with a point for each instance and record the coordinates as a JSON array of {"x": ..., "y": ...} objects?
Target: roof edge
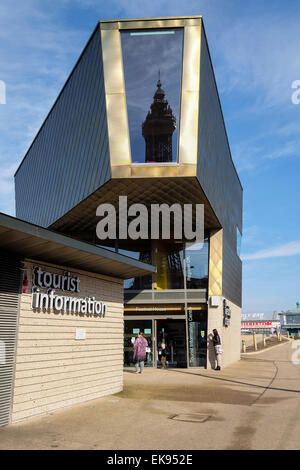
[{"x": 11, "y": 222}]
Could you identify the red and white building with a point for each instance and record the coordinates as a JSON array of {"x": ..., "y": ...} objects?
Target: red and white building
[{"x": 269, "y": 325}]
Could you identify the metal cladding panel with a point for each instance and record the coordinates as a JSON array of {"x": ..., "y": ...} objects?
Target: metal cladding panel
[
  {"x": 69, "y": 158},
  {"x": 10, "y": 278},
  {"x": 232, "y": 270},
  {"x": 217, "y": 174}
]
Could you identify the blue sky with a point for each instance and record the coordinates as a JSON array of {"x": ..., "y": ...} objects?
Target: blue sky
[{"x": 255, "y": 52}]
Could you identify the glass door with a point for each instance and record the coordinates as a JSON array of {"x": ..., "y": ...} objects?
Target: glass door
[
  {"x": 173, "y": 333},
  {"x": 131, "y": 331},
  {"x": 197, "y": 337}
]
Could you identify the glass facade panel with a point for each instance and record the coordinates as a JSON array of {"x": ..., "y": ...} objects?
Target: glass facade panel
[
  {"x": 141, "y": 282},
  {"x": 131, "y": 331},
  {"x": 168, "y": 259},
  {"x": 152, "y": 61},
  {"x": 196, "y": 259},
  {"x": 197, "y": 341},
  {"x": 293, "y": 319}
]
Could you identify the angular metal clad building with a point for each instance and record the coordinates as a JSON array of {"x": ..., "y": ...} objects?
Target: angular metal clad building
[{"x": 140, "y": 116}]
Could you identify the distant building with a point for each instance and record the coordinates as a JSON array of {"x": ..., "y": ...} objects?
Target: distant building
[
  {"x": 253, "y": 316},
  {"x": 290, "y": 320},
  {"x": 260, "y": 326},
  {"x": 260, "y": 322}
]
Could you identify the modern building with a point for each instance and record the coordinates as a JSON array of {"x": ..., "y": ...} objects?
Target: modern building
[
  {"x": 263, "y": 322},
  {"x": 61, "y": 320},
  {"x": 263, "y": 326},
  {"x": 290, "y": 320},
  {"x": 140, "y": 116}
]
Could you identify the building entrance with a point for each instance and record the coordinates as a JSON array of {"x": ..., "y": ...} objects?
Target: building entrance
[
  {"x": 185, "y": 336},
  {"x": 131, "y": 330},
  {"x": 173, "y": 333}
]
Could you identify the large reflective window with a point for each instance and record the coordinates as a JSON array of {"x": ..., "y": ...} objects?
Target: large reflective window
[
  {"x": 196, "y": 259},
  {"x": 152, "y": 61},
  {"x": 141, "y": 282},
  {"x": 168, "y": 259},
  {"x": 293, "y": 319}
]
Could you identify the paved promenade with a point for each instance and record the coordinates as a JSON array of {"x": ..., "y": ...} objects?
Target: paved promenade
[{"x": 253, "y": 404}]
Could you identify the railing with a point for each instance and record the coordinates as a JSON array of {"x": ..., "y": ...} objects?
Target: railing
[{"x": 259, "y": 341}]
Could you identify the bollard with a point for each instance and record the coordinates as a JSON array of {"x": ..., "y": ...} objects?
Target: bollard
[
  {"x": 254, "y": 342},
  {"x": 264, "y": 341},
  {"x": 243, "y": 346}
]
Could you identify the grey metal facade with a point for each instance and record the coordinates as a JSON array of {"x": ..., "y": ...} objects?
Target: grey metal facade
[
  {"x": 217, "y": 174},
  {"x": 69, "y": 158}
]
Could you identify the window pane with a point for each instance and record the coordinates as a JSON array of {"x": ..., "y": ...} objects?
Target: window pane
[
  {"x": 141, "y": 282},
  {"x": 168, "y": 259},
  {"x": 197, "y": 266},
  {"x": 152, "y": 62}
]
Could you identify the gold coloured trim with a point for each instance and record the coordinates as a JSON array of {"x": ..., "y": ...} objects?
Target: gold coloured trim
[
  {"x": 215, "y": 263},
  {"x": 143, "y": 23},
  {"x": 117, "y": 122},
  {"x": 117, "y": 119},
  {"x": 144, "y": 171},
  {"x": 189, "y": 109}
]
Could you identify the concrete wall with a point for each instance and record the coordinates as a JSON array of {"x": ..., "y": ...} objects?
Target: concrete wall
[
  {"x": 53, "y": 369},
  {"x": 230, "y": 336}
]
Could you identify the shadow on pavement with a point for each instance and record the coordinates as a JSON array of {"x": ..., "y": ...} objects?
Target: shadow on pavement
[{"x": 222, "y": 379}]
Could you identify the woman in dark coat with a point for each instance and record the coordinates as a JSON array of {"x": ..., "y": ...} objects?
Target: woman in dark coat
[{"x": 218, "y": 350}]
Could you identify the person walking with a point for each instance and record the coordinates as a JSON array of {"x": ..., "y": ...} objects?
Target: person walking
[
  {"x": 163, "y": 355},
  {"x": 217, "y": 346},
  {"x": 139, "y": 352}
]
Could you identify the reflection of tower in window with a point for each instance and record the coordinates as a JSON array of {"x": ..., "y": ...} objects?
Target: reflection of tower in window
[
  {"x": 158, "y": 128},
  {"x": 144, "y": 282}
]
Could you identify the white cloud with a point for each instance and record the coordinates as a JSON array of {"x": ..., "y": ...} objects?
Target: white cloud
[
  {"x": 287, "y": 249},
  {"x": 288, "y": 149},
  {"x": 259, "y": 57}
]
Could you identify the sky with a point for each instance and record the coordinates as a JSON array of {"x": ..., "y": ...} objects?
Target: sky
[{"x": 255, "y": 52}]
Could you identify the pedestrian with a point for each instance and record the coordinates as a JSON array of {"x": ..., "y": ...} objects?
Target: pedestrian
[
  {"x": 163, "y": 355},
  {"x": 139, "y": 352},
  {"x": 218, "y": 350}
]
